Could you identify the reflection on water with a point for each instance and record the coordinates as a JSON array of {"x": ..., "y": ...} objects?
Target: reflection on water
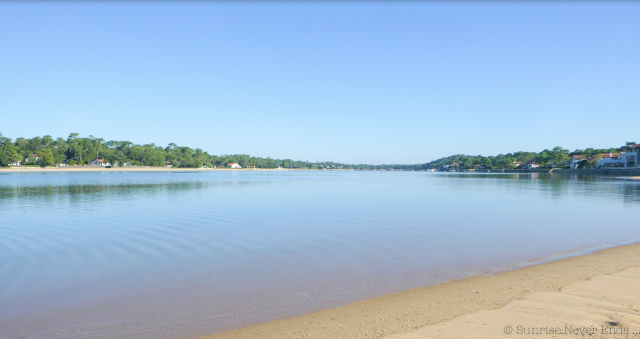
[
  {"x": 145, "y": 255},
  {"x": 558, "y": 185},
  {"x": 49, "y": 194}
]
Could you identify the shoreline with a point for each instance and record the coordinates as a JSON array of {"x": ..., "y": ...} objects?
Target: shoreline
[
  {"x": 146, "y": 169},
  {"x": 128, "y": 169},
  {"x": 594, "y": 289},
  {"x": 167, "y": 169}
]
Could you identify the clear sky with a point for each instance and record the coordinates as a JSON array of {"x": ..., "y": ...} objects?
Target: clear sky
[{"x": 355, "y": 82}]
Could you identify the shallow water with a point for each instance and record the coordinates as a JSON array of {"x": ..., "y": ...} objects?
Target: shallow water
[{"x": 146, "y": 255}]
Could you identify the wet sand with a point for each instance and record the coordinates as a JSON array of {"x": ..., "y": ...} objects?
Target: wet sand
[{"x": 597, "y": 295}]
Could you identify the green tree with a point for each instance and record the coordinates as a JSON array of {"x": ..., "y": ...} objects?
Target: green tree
[
  {"x": 558, "y": 156},
  {"x": 592, "y": 162},
  {"x": 46, "y": 157}
]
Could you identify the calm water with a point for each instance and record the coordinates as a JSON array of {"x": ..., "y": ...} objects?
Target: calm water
[{"x": 144, "y": 255}]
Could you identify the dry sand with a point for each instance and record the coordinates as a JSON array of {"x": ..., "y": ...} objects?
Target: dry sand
[{"x": 587, "y": 294}]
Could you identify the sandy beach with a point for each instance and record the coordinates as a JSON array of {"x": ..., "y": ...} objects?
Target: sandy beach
[
  {"x": 123, "y": 169},
  {"x": 595, "y": 295}
]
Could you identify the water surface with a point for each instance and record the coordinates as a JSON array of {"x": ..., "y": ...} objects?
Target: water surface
[{"x": 181, "y": 255}]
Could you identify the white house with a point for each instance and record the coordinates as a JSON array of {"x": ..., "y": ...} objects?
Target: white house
[
  {"x": 530, "y": 165},
  {"x": 99, "y": 162},
  {"x": 632, "y": 157},
  {"x": 610, "y": 160},
  {"x": 17, "y": 163},
  {"x": 35, "y": 156},
  {"x": 234, "y": 165},
  {"x": 455, "y": 164}
]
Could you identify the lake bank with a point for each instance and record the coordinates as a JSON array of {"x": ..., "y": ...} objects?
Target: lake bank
[
  {"x": 124, "y": 169},
  {"x": 145, "y": 169},
  {"x": 629, "y": 173},
  {"x": 597, "y": 289}
]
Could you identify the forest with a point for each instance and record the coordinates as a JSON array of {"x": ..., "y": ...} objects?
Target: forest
[
  {"x": 557, "y": 157},
  {"x": 77, "y": 151}
]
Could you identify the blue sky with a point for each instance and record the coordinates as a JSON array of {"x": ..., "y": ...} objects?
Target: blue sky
[{"x": 355, "y": 82}]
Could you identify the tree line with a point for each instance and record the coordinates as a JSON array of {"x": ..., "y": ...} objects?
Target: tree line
[
  {"x": 74, "y": 150},
  {"x": 78, "y": 151},
  {"x": 556, "y": 157}
]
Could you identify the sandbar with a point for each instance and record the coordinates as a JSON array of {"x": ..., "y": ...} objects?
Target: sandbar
[{"x": 597, "y": 295}]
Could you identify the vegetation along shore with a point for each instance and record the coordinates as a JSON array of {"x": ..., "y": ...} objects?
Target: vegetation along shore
[{"x": 91, "y": 151}]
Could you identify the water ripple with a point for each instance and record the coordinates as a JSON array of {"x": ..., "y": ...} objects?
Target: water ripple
[{"x": 139, "y": 255}]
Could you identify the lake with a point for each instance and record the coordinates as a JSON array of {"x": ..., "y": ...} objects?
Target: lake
[{"x": 181, "y": 255}]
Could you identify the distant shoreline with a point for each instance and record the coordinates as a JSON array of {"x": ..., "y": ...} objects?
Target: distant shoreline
[
  {"x": 126, "y": 169},
  {"x": 145, "y": 169},
  {"x": 632, "y": 174}
]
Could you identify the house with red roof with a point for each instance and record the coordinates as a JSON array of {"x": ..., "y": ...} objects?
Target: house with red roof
[
  {"x": 575, "y": 160},
  {"x": 610, "y": 160},
  {"x": 99, "y": 162},
  {"x": 630, "y": 158}
]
